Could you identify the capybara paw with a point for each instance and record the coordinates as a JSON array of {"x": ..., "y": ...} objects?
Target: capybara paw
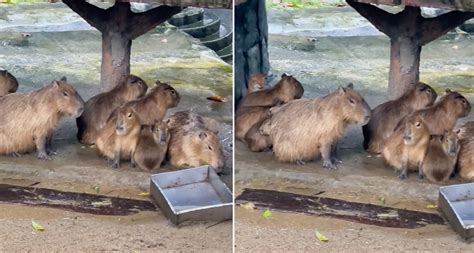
[
  {"x": 133, "y": 164},
  {"x": 329, "y": 165},
  {"x": 51, "y": 151},
  {"x": 421, "y": 176},
  {"x": 300, "y": 162},
  {"x": 402, "y": 175},
  {"x": 336, "y": 160},
  {"x": 15, "y": 154},
  {"x": 115, "y": 165},
  {"x": 44, "y": 156}
]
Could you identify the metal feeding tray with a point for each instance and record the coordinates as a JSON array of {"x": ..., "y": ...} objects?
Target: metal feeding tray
[
  {"x": 457, "y": 204},
  {"x": 196, "y": 194}
]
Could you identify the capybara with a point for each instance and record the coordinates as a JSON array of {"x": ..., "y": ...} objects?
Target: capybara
[
  {"x": 441, "y": 158},
  {"x": 406, "y": 147},
  {"x": 465, "y": 163},
  {"x": 192, "y": 143},
  {"x": 303, "y": 129},
  {"x": 256, "y": 141},
  {"x": 28, "y": 120},
  {"x": 153, "y": 106},
  {"x": 386, "y": 116},
  {"x": 118, "y": 139},
  {"x": 8, "y": 83},
  {"x": 98, "y": 109},
  {"x": 152, "y": 146},
  {"x": 287, "y": 89},
  {"x": 248, "y": 116},
  {"x": 256, "y": 82},
  {"x": 443, "y": 115}
]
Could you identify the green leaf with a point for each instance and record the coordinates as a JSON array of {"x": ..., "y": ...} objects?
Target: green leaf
[
  {"x": 267, "y": 214},
  {"x": 36, "y": 226},
  {"x": 321, "y": 237}
]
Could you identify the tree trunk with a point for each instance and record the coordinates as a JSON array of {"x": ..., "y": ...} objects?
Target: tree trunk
[
  {"x": 116, "y": 50},
  {"x": 404, "y": 65}
]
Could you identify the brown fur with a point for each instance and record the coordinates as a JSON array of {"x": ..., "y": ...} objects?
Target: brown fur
[
  {"x": 306, "y": 128},
  {"x": 28, "y": 120},
  {"x": 188, "y": 120},
  {"x": 192, "y": 143},
  {"x": 248, "y": 116},
  {"x": 256, "y": 141},
  {"x": 118, "y": 139},
  {"x": 386, "y": 116},
  {"x": 8, "y": 83},
  {"x": 466, "y": 154},
  {"x": 98, "y": 109},
  {"x": 256, "y": 82},
  {"x": 439, "y": 162},
  {"x": 154, "y": 105},
  {"x": 406, "y": 147},
  {"x": 443, "y": 115},
  {"x": 152, "y": 146},
  {"x": 287, "y": 89},
  {"x": 466, "y": 131}
]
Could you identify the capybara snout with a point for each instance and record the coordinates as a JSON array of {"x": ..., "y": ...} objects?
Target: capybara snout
[{"x": 67, "y": 98}]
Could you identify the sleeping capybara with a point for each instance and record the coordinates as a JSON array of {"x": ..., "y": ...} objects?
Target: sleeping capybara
[
  {"x": 153, "y": 106},
  {"x": 441, "y": 158},
  {"x": 98, "y": 109},
  {"x": 118, "y": 139},
  {"x": 465, "y": 163},
  {"x": 387, "y": 115},
  {"x": 303, "y": 129},
  {"x": 443, "y": 115},
  {"x": 28, "y": 120},
  {"x": 406, "y": 147},
  {"x": 8, "y": 83},
  {"x": 193, "y": 142},
  {"x": 287, "y": 89},
  {"x": 256, "y": 82},
  {"x": 152, "y": 146}
]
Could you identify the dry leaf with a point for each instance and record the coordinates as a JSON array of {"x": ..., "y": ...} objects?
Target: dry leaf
[
  {"x": 144, "y": 194},
  {"x": 248, "y": 206},
  {"x": 267, "y": 214},
  {"x": 36, "y": 226},
  {"x": 217, "y": 98},
  {"x": 382, "y": 199},
  {"x": 432, "y": 206},
  {"x": 321, "y": 237}
]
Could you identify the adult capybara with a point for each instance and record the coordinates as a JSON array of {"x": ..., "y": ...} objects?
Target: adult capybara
[
  {"x": 97, "y": 109},
  {"x": 303, "y": 129},
  {"x": 8, "y": 83},
  {"x": 441, "y": 158},
  {"x": 193, "y": 143},
  {"x": 118, "y": 139},
  {"x": 387, "y": 115},
  {"x": 256, "y": 82},
  {"x": 287, "y": 89},
  {"x": 443, "y": 115},
  {"x": 465, "y": 163},
  {"x": 28, "y": 120},
  {"x": 406, "y": 147},
  {"x": 152, "y": 146},
  {"x": 153, "y": 106}
]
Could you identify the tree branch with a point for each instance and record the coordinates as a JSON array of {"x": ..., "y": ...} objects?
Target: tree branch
[
  {"x": 93, "y": 15},
  {"x": 382, "y": 20},
  {"x": 141, "y": 23},
  {"x": 433, "y": 28}
]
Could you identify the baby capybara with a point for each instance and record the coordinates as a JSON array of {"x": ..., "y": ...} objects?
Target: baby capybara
[
  {"x": 387, "y": 115},
  {"x": 8, "y": 83},
  {"x": 29, "y": 119},
  {"x": 192, "y": 143},
  {"x": 466, "y": 154},
  {"x": 406, "y": 147},
  {"x": 248, "y": 116},
  {"x": 306, "y": 128},
  {"x": 256, "y": 82},
  {"x": 118, "y": 139},
  {"x": 152, "y": 146},
  {"x": 443, "y": 115},
  {"x": 256, "y": 141},
  {"x": 442, "y": 155},
  {"x": 287, "y": 89},
  {"x": 153, "y": 106},
  {"x": 98, "y": 109}
]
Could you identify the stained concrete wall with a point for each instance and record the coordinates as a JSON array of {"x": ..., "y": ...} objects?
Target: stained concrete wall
[{"x": 251, "y": 37}]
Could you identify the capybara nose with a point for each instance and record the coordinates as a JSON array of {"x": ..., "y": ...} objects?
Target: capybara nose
[{"x": 119, "y": 128}]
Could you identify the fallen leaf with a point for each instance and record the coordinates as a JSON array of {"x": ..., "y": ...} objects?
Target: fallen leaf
[
  {"x": 321, "y": 237},
  {"x": 432, "y": 206},
  {"x": 267, "y": 214},
  {"x": 382, "y": 199},
  {"x": 36, "y": 226},
  {"x": 217, "y": 98},
  {"x": 144, "y": 194},
  {"x": 248, "y": 206},
  {"x": 96, "y": 188}
]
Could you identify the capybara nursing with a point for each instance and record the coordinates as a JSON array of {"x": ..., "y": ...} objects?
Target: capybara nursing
[
  {"x": 8, "y": 83},
  {"x": 441, "y": 158},
  {"x": 256, "y": 82},
  {"x": 152, "y": 146},
  {"x": 192, "y": 143},
  {"x": 466, "y": 154},
  {"x": 406, "y": 147},
  {"x": 153, "y": 106},
  {"x": 248, "y": 116},
  {"x": 287, "y": 89},
  {"x": 97, "y": 109},
  {"x": 256, "y": 141},
  {"x": 443, "y": 115},
  {"x": 306, "y": 128},
  {"x": 386, "y": 116},
  {"x": 118, "y": 139},
  {"x": 28, "y": 120}
]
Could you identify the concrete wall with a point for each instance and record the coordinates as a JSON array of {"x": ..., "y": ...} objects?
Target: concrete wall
[{"x": 251, "y": 36}]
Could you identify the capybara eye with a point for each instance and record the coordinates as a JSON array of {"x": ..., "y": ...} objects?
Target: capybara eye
[
  {"x": 129, "y": 115},
  {"x": 65, "y": 94},
  {"x": 418, "y": 124},
  {"x": 172, "y": 92},
  {"x": 209, "y": 147},
  {"x": 351, "y": 101},
  {"x": 463, "y": 101}
]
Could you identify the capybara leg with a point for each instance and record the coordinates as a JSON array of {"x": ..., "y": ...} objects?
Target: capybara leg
[
  {"x": 41, "y": 147},
  {"x": 14, "y": 154},
  {"x": 116, "y": 161},
  {"x": 420, "y": 173},
  {"x": 334, "y": 157},
  {"x": 49, "y": 146},
  {"x": 300, "y": 162},
  {"x": 403, "y": 171},
  {"x": 326, "y": 155},
  {"x": 133, "y": 164}
]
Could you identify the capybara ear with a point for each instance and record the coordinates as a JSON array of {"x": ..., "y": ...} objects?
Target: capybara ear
[
  {"x": 55, "y": 83},
  {"x": 63, "y": 79},
  {"x": 283, "y": 75},
  {"x": 350, "y": 86},
  {"x": 157, "y": 83},
  {"x": 447, "y": 91},
  {"x": 341, "y": 90},
  {"x": 202, "y": 135}
]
